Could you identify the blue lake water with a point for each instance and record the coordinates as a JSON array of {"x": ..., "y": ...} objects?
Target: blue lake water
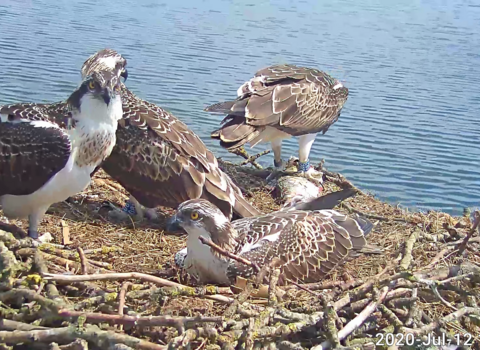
[{"x": 409, "y": 132}]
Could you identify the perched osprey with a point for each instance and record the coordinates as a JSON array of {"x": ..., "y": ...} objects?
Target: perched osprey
[
  {"x": 159, "y": 160},
  {"x": 305, "y": 244},
  {"x": 279, "y": 102},
  {"x": 46, "y": 156}
]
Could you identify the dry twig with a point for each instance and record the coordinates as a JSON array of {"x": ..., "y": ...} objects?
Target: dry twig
[
  {"x": 476, "y": 224},
  {"x": 83, "y": 261},
  {"x": 121, "y": 300},
  {"x": 178, "y": 322},
  {"x": 132, "y": 275},
  {"x": 356, "y": 322},
  {"x": 228, "y": 254},
  {"x": 68, "y": 334}
]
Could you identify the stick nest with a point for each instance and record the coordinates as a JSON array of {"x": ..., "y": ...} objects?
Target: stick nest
[{"x": 55, "y": 297}]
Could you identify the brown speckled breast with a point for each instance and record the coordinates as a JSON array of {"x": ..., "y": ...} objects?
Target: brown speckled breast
[{"x": 95, "y": 148}]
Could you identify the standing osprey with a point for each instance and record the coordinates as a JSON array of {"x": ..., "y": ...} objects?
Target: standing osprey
[
  {"x": 279, "y": 102},
  {"x": 45, "y": 157},
  {"x": 305, "y": 244},
  {"x": 159, "y": 160}
]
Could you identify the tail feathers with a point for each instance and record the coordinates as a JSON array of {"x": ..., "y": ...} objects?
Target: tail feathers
[
  {"x": 328, "y": 201},
  {"x": 371, "y": 249},
  {"x": 235, "y": 133},
  {"x": 220, "y": 107},
  {"x": 367, "y": 227},
  {"x": 365, "y": 224},
  {"x": 244, "y": 209}
]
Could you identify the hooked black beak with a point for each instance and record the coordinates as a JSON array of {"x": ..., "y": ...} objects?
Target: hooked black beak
[
  {"x": 173, "y": 225},
  {"x": 106, "y": 96},
  {"x": 108, "y": 92},
  {"x": 124, "y": 74}
]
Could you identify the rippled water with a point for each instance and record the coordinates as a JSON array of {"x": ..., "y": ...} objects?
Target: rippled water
[{"x": 409, "y": 132}]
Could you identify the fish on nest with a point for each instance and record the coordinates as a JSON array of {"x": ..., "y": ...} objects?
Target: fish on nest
[
  {"x": 279, "y": 102},
  {"x": 47, "y": 156},
  {"x": 159, "y": 160},
  {"x": 305, "y": 241}
]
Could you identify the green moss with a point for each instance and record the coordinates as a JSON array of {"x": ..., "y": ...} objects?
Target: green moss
[
  {"x": 106, "y": 250},
  {"x": 35, "y": 278},
  {"x": 9, "y": 265},
  {"x": 135, "y": 287},
  {"x": 37, "y": 322},
  {"x": 111, "y": 297},
  {"x": 80, "y": 322},
  {"x": 45, "y": 247},
  {"x": 7, "y": 237},
  {"x": 7, "y": 313},
  {"x": 211, "y": 290},
  {"x": 292, "y": 327},
  {"x": 189, "y": 291}
]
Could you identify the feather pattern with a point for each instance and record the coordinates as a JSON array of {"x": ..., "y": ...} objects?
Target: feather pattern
[
  {"x": 105, "y": 60},
  {"x": 306, "y": 245},
  {"x": 30, "y": 155},
  {"x": 161, "y": 162},
  {"x": 48, "y": 152},
  {"x": 294, "y": 100},
  {"x": 157, "y": 158}
]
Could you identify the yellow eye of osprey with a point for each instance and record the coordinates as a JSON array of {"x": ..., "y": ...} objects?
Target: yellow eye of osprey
[
  {"x": 194, "y": 215},
  {"x": 91, "y": 85}
]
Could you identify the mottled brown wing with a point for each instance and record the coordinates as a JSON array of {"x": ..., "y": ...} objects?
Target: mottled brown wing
[
  {"x": 296, "y": 100},
  {"x": 161, "y": 162},
  {"x": 30, "y": 155},
  {"x": 145, "y": 115},
  {"x": 57, "y": 113},
  {"x": 23, "y": 111},
  {"x": 153, "y": 172},
  {"x": 306, "y": 246}
]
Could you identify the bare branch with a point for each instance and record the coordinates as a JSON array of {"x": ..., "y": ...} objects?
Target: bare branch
[
  {"x": 131, "y": 275},
  {"x": 68, "y": 334},
  {"x": 83, "y": 261},
  {"x": 167, "y": 321}
]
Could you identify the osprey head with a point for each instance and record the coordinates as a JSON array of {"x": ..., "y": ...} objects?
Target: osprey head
[
  {"x": 199, "y": 217},
  {"x": 105, "y": 60},
  {"x": 97, "y": 97}
]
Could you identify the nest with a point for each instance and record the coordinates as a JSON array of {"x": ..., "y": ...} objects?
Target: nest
[{"x": 106, "y": 285}]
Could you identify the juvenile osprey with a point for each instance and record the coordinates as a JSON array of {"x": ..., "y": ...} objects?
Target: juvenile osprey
[
  {"x": 305, "y": 244},
  {"x": 159, "y": 160},
  {"x": 279, "y": 102},
  {"x": 45, "y": 157}
]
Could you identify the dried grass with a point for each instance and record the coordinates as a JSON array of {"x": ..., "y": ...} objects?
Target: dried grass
[{"x": 145, "y": 247}]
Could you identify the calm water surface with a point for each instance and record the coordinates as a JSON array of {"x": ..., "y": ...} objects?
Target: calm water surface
[{"x": 409, "y": 132}]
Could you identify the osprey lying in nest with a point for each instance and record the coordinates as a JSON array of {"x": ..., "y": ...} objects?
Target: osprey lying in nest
[{"x": 306, "y": 241}]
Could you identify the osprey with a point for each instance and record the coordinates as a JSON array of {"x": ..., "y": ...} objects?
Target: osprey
[
  {"x": 279, "y": 102},
  {"x": 46, "y": 156},
  {"x": 159, "y": 160},
  {"x": 306, "y": 241}
]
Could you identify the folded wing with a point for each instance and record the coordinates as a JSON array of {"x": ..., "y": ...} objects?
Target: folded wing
[{"x": 306, "y": 246}]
